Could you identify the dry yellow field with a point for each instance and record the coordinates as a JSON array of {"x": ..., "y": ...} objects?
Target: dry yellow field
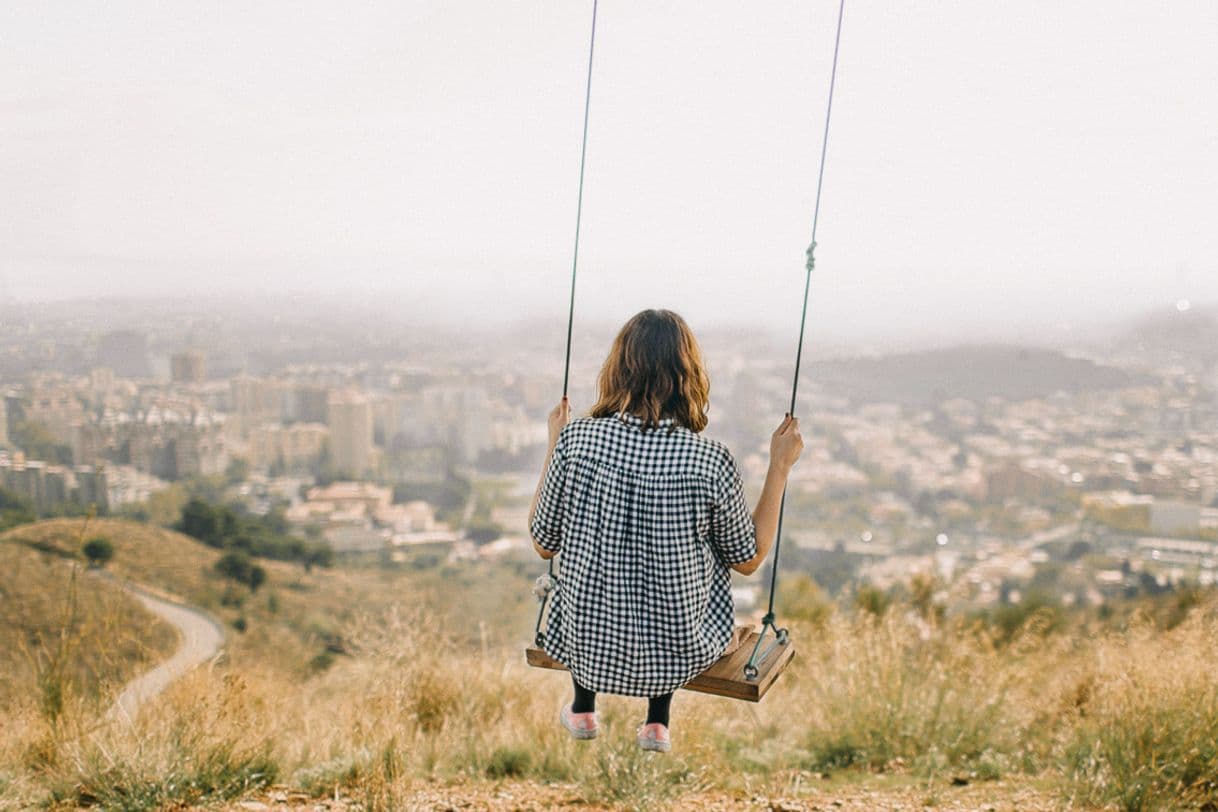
[{"x": 426, "y": 707}]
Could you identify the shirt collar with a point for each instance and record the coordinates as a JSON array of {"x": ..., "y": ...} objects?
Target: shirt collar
[{"x": 635, "y": 420}]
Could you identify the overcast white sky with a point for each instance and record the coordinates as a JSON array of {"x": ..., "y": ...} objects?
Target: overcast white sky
[{"x": 992, "y": 166}]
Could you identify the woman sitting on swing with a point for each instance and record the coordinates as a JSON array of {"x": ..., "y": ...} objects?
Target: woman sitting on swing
[{"x": 649, "y": 516}]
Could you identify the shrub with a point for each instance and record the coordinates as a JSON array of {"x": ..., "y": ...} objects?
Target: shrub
[
  {"x": 871, "y": 600},
  {"x": 216, "y": 773},
  {"x": 98, "y": 550},
  {"x": 624, "y": 775},
  {"x": 225, "y": 527},
  {"x": 256, "y": 577},
  {"x": 509, "y": 762},
  {"x": 881, "y": 690},
  {"x": 238, "y": 566},
  {"x": 801, "y": 598},
  {"x": 1147, "y": 734}
]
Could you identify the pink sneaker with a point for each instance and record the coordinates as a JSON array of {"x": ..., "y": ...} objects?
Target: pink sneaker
[
  {"x": 654, "y": 737},
  {"x": 580, "y": 725}
]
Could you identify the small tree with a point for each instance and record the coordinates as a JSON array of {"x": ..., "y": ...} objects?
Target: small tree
[
  {"x": 317, "y": 555},
  {"x": 98, "y": 550},
  {"x": 256, "y": 577},
  {"x": 235, "y": 566},
  {"x": 199, "y": 519}
]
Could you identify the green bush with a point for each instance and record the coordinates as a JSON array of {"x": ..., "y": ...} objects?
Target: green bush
[
  {"x": 226, "y": 528},
  {"x": 98, "y": 550},
  {"x": 238, "y": 566}
]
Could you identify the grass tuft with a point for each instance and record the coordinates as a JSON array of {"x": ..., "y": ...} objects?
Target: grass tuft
[
  {"x": 623, "y": 774},
  {"x": 509, "y": 762},
  {"x": 220, "y": 773}
]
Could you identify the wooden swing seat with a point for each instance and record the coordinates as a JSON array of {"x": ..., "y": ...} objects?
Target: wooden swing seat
[{"x": 725, "y": 677}]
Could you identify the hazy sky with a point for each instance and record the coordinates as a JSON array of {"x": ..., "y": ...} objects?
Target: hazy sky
[{"x": 992, "y": 166}]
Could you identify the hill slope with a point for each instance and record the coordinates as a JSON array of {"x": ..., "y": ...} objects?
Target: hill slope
[
  {"x": 296, "y": 621},
  {"x": 106, "y": 636},
  {"x": 904, "y": 703},
  {"x": 1192, "y": 334}
]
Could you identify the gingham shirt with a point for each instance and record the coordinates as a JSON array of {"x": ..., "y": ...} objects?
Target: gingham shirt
[{"x": 647, "y": 521}]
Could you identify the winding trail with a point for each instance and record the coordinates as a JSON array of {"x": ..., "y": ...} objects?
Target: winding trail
[{"x": 202, "y": 638}]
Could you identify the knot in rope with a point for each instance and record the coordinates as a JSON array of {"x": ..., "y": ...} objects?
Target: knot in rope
[
  {"x": 543, "y": 586},
  {"x": 811, "y": 256}
]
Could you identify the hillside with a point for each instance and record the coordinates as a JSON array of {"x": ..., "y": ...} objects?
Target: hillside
[
  {"x": 976, "y": 373},
  {"x": 1189, "y": 335},
  {"x": 101, "y": 639},
  {"x": 422, "y": 700},
  {"x": 296, "y": 621}
]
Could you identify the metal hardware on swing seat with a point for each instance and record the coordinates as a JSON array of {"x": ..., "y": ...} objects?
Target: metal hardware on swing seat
[{"x": 759, "y": 656}]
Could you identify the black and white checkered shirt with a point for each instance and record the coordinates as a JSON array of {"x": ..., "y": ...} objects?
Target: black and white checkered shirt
[{"x": 647, "y": 521}]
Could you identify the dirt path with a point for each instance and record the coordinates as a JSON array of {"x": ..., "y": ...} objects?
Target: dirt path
[
  {"x": 201, "y": 638},
  {"x": 522, "y": 796}
]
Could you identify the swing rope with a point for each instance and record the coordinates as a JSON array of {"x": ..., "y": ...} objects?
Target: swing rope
[
  {"x": 579, "y": 203},
  {"x": 780, "y": 635},
  {"x": 547, "y": 583},
  {"x": 544, "y": 589}
]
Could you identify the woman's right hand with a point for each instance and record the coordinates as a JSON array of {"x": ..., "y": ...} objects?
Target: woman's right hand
[{"x": 786, "y": 443}]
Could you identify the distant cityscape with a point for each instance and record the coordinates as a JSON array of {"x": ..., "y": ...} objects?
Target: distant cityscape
[{"x": 995, "y": 472}]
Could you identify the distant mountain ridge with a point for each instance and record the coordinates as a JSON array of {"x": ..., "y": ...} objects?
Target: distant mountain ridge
[
  {"x": 972, "y": 372},
  {"x": 1192, "y": 333}
]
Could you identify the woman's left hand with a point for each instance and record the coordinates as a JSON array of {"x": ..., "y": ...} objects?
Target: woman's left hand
[{"x": 560, "y": 416}]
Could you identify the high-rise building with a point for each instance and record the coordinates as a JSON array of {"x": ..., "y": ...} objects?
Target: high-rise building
[
  {"x": 92, "y": 488},
  {"x": 163, "y": 443},
  {"x": 254, "y": 401},
  {"x": 3, "y": 422},
  {"x": 56, "y": 406},
  {"x": 304, "y": 403},
  {"x": 50, "y": 487},
  {"x": 349, "y": 416},
  {"x": 187, "y": 367},
  {"x": 287, "y": 448}
]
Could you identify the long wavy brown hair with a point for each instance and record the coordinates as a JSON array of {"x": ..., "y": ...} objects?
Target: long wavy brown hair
[{"x": 655, "y": 370}]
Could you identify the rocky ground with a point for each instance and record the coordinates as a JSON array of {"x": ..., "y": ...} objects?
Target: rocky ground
[{"x": 993, "y": 796}]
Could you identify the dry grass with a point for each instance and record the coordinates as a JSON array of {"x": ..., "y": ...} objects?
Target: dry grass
[
  {"x": 297, "y": 621},
  {"x": 1145, "y": 719},
  {"x": 106, "y": 636},
  {"x": 1138, "y": 734},
  {"x": 1120, "y": 718}
]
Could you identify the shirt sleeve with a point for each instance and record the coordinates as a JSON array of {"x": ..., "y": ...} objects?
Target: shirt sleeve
[
  {"x": 546, "y": 527},
  {"x": 733, "y": 535}
]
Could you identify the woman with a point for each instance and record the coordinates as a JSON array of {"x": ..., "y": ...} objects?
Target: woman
[{"x": 649, "y": 516}]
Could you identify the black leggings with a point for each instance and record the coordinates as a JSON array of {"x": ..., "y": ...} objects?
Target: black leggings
[{"x": 657, "y": 706}]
